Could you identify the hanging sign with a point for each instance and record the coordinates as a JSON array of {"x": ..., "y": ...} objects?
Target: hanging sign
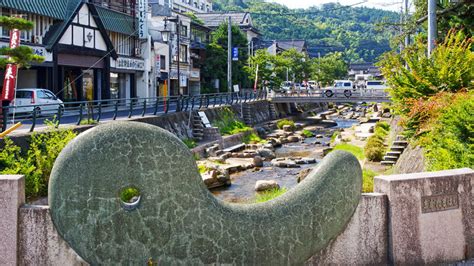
[
  {"x": 9, "y": 83},
  {"x": 235, "y": 54},
  {"x": 142, "y": 27}
]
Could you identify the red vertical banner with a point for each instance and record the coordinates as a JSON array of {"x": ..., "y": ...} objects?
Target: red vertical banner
[{"x": 9, "y": 82}]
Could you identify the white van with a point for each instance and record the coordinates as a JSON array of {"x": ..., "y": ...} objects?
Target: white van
[
  {"x": 340, "y": 86},
  {"x": 375, "y": 85},
  {"x": 42, "y": 100}
]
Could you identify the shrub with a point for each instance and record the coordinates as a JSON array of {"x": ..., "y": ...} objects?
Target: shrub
[
  {"x": 88, "y": 121},
  {"x": 286, "y": 122},
  {"x": 356, "y": 151},
  {"x": 269, "y": 195},
  {"x": 368, "y": 180},
  {"x": 128, "y": 193},
  {"x": 36, "y": 164},
  {"x": 451, "y": 142},
  {"x": 229, "y": 124},
  {"x": 334, "y": 136},
  {"x": 190, "y": 143},
  {"x": 307, "y": 133},
  {"x": 374, "y": 149}
]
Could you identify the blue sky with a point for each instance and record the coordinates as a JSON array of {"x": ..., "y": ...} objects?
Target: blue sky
[{"x": 393, "y": 5}]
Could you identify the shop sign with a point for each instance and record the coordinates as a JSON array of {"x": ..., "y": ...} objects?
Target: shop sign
[
  {"x": 37, "y": 50},
  {"x": 130, "y": 63},
  {"x": 157, "y": 65},
  {"x": 194, "y": 74},
  {"x": 174, "y": 73},
  {"x": 9, "y": 82},
  {"x": 142, "y": 27}
]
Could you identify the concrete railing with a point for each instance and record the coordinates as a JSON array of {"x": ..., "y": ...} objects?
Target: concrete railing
[{"x": 422, "y": 218}]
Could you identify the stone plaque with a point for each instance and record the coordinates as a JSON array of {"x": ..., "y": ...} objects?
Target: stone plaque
[{"x": 438, "y": 203}]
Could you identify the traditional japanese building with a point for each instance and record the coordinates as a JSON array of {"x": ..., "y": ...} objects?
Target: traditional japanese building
[{"x": 91, "y": 51}]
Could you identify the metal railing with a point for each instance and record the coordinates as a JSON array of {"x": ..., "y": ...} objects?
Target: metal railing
[
  {"x": 91, "y": 112},
  {"x": 328, "y": 95}
]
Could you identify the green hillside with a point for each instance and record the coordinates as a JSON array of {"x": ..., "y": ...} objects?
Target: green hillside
[{"x": 356, "y": 31}]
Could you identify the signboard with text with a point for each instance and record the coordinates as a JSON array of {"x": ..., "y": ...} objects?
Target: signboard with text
[
  {"x": 142, "y": 27},
  {"x": 11, "y": 70}
]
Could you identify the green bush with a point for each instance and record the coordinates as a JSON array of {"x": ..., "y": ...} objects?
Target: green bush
[
  {"x": 269, "y": 195},
  {"x": 375, "y": 149},
  {"x": 334, "y": 136},
  {"x": 450, "y": 144},
  {"x": 190, "y": 143},
  {"x": 356, "y": 151},
  {"x": 88, "y": 121},
  {"x": 36, "y": 163},
  {"x": 229, "y": 124},
  {"x": 285, "y": 122},
  {"x": 307, "y": 133}
]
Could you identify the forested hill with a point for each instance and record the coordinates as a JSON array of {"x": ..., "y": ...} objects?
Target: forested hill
[{"x": 356, "y": 31}]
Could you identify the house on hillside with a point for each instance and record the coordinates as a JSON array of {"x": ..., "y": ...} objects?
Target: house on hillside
[
  {"x": 279, "y": 46},
  {"x": 242, "y": 19}
]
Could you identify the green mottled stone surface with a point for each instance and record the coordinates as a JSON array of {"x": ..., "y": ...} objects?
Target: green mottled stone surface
[{"x": 178, "y": 221}]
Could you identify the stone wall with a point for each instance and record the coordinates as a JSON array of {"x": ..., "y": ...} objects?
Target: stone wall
[
  {"x": 179, "y": 123},
  {"x": 364, "y": 240},
  {"x": 411, "y": 160}
]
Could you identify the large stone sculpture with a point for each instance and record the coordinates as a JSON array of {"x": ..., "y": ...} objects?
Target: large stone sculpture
[{"x": 177, "y": 220}]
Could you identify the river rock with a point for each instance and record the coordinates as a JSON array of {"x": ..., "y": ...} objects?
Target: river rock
[
  {"x": 287, "y": 128},
  {"x": 283, "y": 140},
  {"x": 216, "y": 178},
  {"x": 302, "y": 174},
  {"x": 266, "y": 153},
  {"x": 305, "y": 160},
  {"x": 326, "y": 151},
  {"x": 217, "y": 159},
  {"x": 268, "y": 146},
  {"x": 258, "y": 161},
  {"x": 293, "y": 139},
  {"x": 284, "y": 163},
  {"x": 263, "y": 185}
]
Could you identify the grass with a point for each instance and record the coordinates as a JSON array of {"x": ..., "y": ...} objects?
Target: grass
[
  {"x": 88, "y": 121},
  {"x": 229, "y": 124},
  {"x": 128, "y": 193},
  {"x": 334, "y": 136},
  {"x": 356, "y": 151},
  {"x": 252, "y": 138},
  {"x": 286, "y": 122},
  {"x": 307, "y": 133},
  {"x": 368, "y": 180},
  {"x": 190, "y": 143},
  {"x": 202, "y": 168},
  {"x": 269, "y": 195}
]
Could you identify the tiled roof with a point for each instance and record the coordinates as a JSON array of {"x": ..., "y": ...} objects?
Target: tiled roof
[
  {"x": 213, "y": 20},
  {"x": 116, "y": 22},
  {"x": 299, "y": 45},
  {"x": 58, "y": 9}
]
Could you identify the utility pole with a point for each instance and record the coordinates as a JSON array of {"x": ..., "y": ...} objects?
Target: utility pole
[
  {"x": 229, "y": 55},
  {"x": 407, "y": 35},
  {"x": 178, "y": 44},
  {"x": 432, "y": 27}
]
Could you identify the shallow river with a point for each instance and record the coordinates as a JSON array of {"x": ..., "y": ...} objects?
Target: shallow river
[{"x": 243, "y": 183}]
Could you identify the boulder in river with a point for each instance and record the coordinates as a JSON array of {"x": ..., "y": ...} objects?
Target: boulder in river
[
  {"x": 264, "y": 185},
  {"x": 258, "y": 161},
  {"x": 287, "y": 128},
  {"x": 305, "y": 160},
  {"x": 293, "y": 139},
  {"x": 266, "y": 153},
  {"x": 284, "y": 163},
  {"x": 216, "y": 178}
]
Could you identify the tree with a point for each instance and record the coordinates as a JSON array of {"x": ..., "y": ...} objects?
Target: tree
[
  {"x": 328, "y": 68},
  {"x": 270, "y": 68},
  {"x": 22, "y": 56},
  {"x": 216, "y": 59},
  {"x": 297, "y": 63}
]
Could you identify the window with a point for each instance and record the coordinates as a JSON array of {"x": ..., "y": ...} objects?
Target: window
[
  {"x": 24, "y": 94},
  {"x": 41, "y": 94},
  {"x": 184, "y": 31},
  {"x": 183, "y": 53},
  {"x": 49, "y": 95},
  {"x": 162, "y": 62}
]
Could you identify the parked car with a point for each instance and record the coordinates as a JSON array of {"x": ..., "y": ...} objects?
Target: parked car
[
  {"x": 345, "y": 86},
  {"x": 375, "y": 85},
  {"x": 41, "y": 100},
  {"x": 313, "y": 84}
]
